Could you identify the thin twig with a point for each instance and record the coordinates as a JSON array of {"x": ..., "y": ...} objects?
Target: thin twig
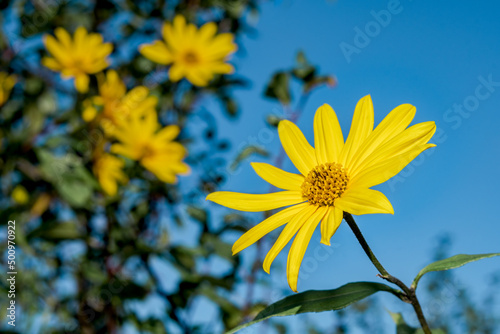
[{"x": 409, "y": 292}]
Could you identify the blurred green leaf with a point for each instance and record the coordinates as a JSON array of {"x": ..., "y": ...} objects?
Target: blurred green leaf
[
  {"x": 403, "y": 328},
  {"x": 245, "y": 153},
  {"x": 231, "y": 314},
  {"x": 319, "y": 301},
  {"x": 69, "y": 176},
  {"x": 451, "y": 263},
  {"x": 303, "y": 70},
  {"x": 197, "y": 213},
  {"x": 56, "y": 232},
  {"x": 279, "y": 88},
  {"x": 217, "y": 246},
  {"x": 273, "y": 120}
]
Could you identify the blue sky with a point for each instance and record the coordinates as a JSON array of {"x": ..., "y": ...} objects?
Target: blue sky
[{"x": 442, "y": 58}]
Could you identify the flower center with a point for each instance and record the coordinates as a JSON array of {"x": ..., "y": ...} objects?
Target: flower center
[
  {"x": 324, "y": 184},
  {"x": 191, "y": 58},
  {"x": 147, "y": 151}
]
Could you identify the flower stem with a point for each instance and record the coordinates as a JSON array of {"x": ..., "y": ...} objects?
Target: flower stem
[{"x": 409, "y": 292}]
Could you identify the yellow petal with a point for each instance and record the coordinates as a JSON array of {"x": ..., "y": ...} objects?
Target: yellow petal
[
  {"x": 172, "y": 37},
  {"x": 179, "y": 23},
  {"x": 328, "y": 138},
  {"x": 222, "y": 68},
  {"x": 256, "y": 202},
  {"x": 384, "y": 170},
  {"x": 407, "y": 140},
  {"x": 79, "y": 40},
  {"x": 360, "y": 201},
  {"x": 207, "y": 32},
  {"x": 109, "y": 185},
  {"x": 268, "y": 225},
  {"x": 157, "y": 52},
  {"x": 162, "y": 173},
  {"x": 82, "y": 83},
  {"x": 392, "y": 125},
  {"x": 287, "y": 234},
  {"x": 330, "y": 224},
  {"x": 176, "y": 73},
  {"x": 277, "y": 177},
  {"x": 296, "y": 147},
  {"x": 64, "y": 37},
  {"x": 168, "y": 133},
  {"x": 56, "y": 49},
  {"x": 51, "y": 63},
  {"x": 299, "y": 246},
  {"x": 197, "y": 78},
  {"x": 89, "y": 113},
  {"x": 149, "y": 122},
  {"x": 102, "y": 50},
  {"x": 361, "y": 127},
  {"x": 221, "y": 47},
  {"x": 126, "y": 151}
]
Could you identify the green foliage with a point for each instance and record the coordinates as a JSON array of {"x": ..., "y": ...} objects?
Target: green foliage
[
  {"x": 247, "y": 152},
  {"x": 319, "y": 301},
  {"x": 107, "y": 248},
  {"x": 279, "y": 86},
  {"x": 451, "y": 263},
  {"x": 403, "y": 328}
]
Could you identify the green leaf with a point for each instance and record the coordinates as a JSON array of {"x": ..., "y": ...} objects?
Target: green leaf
[
  {"x": 245, "y": 153},
  {"x": 273, "y": 120},
  {"x": 279, "y": 88},
  {"x": 450, "y": 263},
  {"x": 303, "y": 70},
  {"x": 68, "y": 175},
  {"x": 319, "y": 301},
  {"x": 56, "y": 232},
  {"x": 197, "y": 213},
  {"x": 403, "y": 328}
]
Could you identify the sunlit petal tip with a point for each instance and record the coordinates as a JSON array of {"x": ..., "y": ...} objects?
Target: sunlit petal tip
[
  {"x": 235, "y": 251},
  {"x": 267, "y": 269},
  {"x": 325, "y": 242}
]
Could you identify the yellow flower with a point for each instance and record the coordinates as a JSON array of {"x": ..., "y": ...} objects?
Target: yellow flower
[
  {"x": 20, "y": 195},
  {"x": 108, "y": 170},
  {"x": 6, "y": 83},
  {"x": 140, "y": 140},
  {"x": 76, "y": 58},
  {"x": 116, "y": 104},
  {"x": 335, "y": 177},
  {"x": 196, "y": 54}
]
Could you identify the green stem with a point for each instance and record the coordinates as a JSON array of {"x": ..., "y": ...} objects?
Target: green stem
[{"x": 409, "y": 292}]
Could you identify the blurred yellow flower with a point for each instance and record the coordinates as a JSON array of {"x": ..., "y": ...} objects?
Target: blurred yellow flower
[
  {"x": 41, "y": 204},
  {"x": 115, "y": 103},
  {"x": 76, "y": 58},
  {"x": 20, "y": 195},
  {"x": 6, "y": 83},
  {"x": 108, "y": 170},
  {"x": 335, "y": 177},
  {"x": 196, "y": 54},
  {"x": 140, "y": 140}
]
